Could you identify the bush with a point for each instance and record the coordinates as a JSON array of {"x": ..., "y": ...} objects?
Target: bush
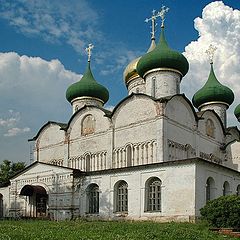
[{"x": 223, "y": 212}]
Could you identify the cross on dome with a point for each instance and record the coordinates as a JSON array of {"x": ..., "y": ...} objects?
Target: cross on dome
[
  {"x": 162, "y": 14},
  {"x": 154, "y": 24},
  {"x": 210, "y": 52},
  {"x": 89, "y": 51}
]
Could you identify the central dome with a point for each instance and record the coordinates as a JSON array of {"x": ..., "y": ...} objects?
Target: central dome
[{"x": 162, "y": 57}]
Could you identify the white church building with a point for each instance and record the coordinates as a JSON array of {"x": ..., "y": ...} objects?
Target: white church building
[{"x": 154, "y": 156}]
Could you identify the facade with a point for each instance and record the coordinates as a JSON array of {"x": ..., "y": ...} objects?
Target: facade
[{"x": 153, "y": 157}]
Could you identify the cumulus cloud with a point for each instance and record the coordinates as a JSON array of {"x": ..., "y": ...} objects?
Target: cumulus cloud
[
  {"x": 16, "y": 131},
  {"x": 220, "y": 26},
  {"x": 11, "y": 120},
  {"x": 54, "y": 21}
]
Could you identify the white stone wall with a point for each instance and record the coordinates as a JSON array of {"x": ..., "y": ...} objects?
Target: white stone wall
[
  {"x": 136, "y": 85},
  {"x": 178, "y": 192},
  {"x": 219, "y": 175},
  {"x": 5, "y": 201},
  {"x": 162, "y": 83}
]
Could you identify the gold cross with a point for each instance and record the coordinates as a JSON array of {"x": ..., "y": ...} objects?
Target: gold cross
[
  {"x": 153, "y": 19},
  {"x": 89, "y": 51},
  {"x": 162, "y": 14},
  {"x": 210, "y": 52}
]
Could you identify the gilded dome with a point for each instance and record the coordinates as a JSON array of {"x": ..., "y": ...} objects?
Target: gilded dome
[
  {"x": 213, "y": 91},
  {"x": 87, "y": 87},
  {"x": 131, "y": 69},
  {"x": 162, "y": 57}
]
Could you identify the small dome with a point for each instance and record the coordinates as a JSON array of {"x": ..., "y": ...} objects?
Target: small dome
[
  {"x": 162, "y": 57},
  {"x": 131, "y": 69},
  {"x": 237, "y": 111},
  {"x": 213, "y": 91},
  {"x": 87, "y": 87}
]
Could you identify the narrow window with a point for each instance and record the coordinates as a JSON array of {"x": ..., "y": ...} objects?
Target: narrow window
[
  {"x": 210, "y": 128},
  {"x": 87, "y": 159},
  {"x": 121, "y": 197},
  {"x": 210, "y": 189},
  {"x": 153, "y": 194},
  {"x": 238, "y": 190},
  {"x": 129, "y": 155},
  {"x": 153, "y": 86},
  {"x": 93, "y": 199},
  {"x": 226, "y": 188}
]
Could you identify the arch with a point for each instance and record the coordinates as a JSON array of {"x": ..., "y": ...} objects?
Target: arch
[
  {"x": 121, "y": 197},
  {"x": 37, "y": 198},
  {"x": 238, "y": 190},
  {"x": 210, "y": 189},
  {"x": 153, "y": 194},
  {"x": 129, "y": 155},
  {"x": 88, "y": 125},
  {"x": 226, "y": 188},
  {"x": 92, "y": 198},
  {"x": 88, "y": 162}
]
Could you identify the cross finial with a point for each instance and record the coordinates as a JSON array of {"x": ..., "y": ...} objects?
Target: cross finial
[
  {"x": 154, "y": 24},
  {"x": 89, "y": 51},
  {"x": 162, "y": 14},
  {"x": 210, "y": 52}
]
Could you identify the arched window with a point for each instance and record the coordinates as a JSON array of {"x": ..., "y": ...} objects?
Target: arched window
[
  {"x": 210, "y": 128},
  {"x": 88, "y": 125},
  {"x": 87, "y": 159},
  {"x": 93, "y": 198},
  {"x": 121, "y": 196},
  {"x": 129, "y": 155},
  {"x": 238, "y": 190},
  {"x": 226, "y": 188},
  {"x": 1, "y": 205},
  {"x": 153, "y": 194},
  {"x": 210, "y": 187}
]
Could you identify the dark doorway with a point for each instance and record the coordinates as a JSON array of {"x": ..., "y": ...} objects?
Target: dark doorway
[{"x": 1, "y": 205}]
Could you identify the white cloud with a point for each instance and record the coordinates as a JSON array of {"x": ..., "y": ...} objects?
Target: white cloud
[
  {"x": 16, "y": 131},
  {"x": 55, "y": 21},
  {"x": 220, "y": 26},
  {"x": 11, "y": 120}
]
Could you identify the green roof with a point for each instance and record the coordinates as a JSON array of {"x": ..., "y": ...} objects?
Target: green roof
[
  {"x": 237, "y": 111},
  {"x": 87, "y": 87},
  {"x": 162, "y": 56},
  {"x": 213, "y": 91}
]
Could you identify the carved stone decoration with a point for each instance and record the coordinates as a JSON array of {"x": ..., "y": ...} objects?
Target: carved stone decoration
[
  {"x": 88, "y": 125},
  {"x": 210, "y": 128}
]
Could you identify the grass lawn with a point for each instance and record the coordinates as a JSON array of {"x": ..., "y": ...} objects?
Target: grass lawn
[{"x": 84, "y": 230}]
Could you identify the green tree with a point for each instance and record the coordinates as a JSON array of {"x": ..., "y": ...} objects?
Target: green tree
[
  {"x": 223, "y": 211},
  {"x": 8, "y": 169}
]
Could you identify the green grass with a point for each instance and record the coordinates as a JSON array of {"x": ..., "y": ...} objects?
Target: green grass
[{"x": 87, "y": 230}]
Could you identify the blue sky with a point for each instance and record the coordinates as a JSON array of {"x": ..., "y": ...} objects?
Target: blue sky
[{"x": 42, "y": 52}]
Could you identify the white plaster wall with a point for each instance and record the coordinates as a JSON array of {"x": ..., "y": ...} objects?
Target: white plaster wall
[
  {"x": 136, "y": 85},
  {"x": 162, "y": 83},
  {"x": 220, "y": 175},
  {"x": 5, "y": 192},
  {"x": 235, "y": 155},
  {"x": 178, "y": 192},
  {"x": 50, "y": 144}
]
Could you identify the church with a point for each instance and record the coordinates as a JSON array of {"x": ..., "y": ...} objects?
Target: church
[{"x": 156, "y": 156}]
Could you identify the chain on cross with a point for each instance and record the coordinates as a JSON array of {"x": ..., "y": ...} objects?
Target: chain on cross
[
  {"x": 210, "y": 52},
  {"x": 89, "y": 51}
]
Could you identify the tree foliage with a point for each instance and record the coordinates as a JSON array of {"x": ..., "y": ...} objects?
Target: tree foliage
[
  {"x": 223, "y": 211},
  {"x": 8, "y": 169}
]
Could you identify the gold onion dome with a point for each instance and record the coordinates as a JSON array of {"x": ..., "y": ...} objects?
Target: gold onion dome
[{"x": 130, "y": 71}]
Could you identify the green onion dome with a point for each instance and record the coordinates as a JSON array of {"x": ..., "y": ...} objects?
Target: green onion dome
[
  {"x": 87, "y": 87},
  {"x": 237, "y": 111},
  {"x": 162, "y": 57},
  {"x": 130, "y": 71},
  {"x": 213, "y": 91}
]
